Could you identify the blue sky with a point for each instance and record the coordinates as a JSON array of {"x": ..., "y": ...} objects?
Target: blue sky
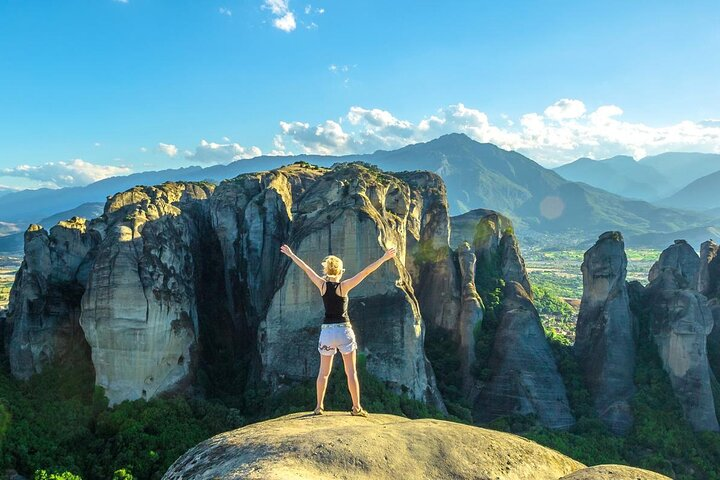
[{"x": 99, "y": 87}]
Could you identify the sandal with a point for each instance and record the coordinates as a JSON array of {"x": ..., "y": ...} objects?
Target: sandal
[
  {"x": 360, "y": 412},
  {"x": 318, "y": 411}
]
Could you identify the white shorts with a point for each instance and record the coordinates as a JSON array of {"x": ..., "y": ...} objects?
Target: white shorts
[{"x": 336, "y": 336}]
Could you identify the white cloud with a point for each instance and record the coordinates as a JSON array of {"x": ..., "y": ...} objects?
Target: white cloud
[
  {"x": 65, "y": 174},
  {"x": 565, "y": 108},
  {"x": 168, "y": 149},
  {"x": 143, "y": 149},
  {"x": 563, "y": 132},
  {"x": 225, "y": 11},
  {"x": 210, "y": 152},
  {"x": 121, "y": 1},
  {"x": 284, "y": 17}
]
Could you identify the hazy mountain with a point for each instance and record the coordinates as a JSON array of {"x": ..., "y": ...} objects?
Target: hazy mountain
[
  {"x": 694, "y": 236},
  {"x": 477, "y": 175},
  {"x": 683, "y": 168},
  {"x": 702, "y": 194},
  {"x": 621, "y": 175}
]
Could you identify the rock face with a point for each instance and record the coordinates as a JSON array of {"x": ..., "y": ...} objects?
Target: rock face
[
  {"x": 139, "y": 311},
  {"x": 682, "y": 258},
  {"x": 680, "y": 324},
  {"x": 525, "y": 379},
  {"x": 42, "y": 319},
  {"x": 181, "y": 275},
  {"x": 606, "y": 330},
  {"x": 614, "y": 472},
  {"x": 709, "y": 272},
  {"x": 355, "y": 212},
  {"x": 523, "y": 375},
  {"x": 471, "y": 313},
  {"x": 302, "y": 446}
]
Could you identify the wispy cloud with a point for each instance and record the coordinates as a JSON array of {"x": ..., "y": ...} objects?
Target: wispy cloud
[
  {"x": 168, "y": 149},
  {"x": 283, "y": 17},
  {"x": 121, "y": 1},
  {"x": 564, "y": 131},
  {"x": 65, "y": 174},
  {"x": 225, "y": 11},
  {"x": 210, "y": 152}
]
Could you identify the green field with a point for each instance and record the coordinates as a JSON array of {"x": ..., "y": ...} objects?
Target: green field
[{"x": 8, "y": 266}]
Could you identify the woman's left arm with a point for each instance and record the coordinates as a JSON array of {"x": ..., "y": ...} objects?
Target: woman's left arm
[{"x": 314, "y": 277}]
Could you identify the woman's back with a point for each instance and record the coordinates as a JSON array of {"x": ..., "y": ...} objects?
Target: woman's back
[{"x": 335, "y": 306}]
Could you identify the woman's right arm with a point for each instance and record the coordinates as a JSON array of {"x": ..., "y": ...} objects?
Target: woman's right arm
[
  {"x": 314, "y": 277},
  {"x": 350, "y": 283}
]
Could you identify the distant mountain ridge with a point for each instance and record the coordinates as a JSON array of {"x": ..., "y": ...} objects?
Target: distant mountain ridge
[
  {"x": 702, "y": 194},
  {"x": 621, "y": 175},
  {"x": 477, "y": 175}
]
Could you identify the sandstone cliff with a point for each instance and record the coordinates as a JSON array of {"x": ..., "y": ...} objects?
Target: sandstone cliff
[
  {"x": 606, "y": 331},
  {"x": 303, "y": 446}
]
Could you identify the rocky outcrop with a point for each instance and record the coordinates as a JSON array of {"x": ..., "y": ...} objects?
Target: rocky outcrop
[
  {"x": 42, "y": 319},
  {"x": 524, "y": 379},
  {"x": 357, "y": 213},
  {"x": 614, "y": 472},
  {"x": 606, "y": 330},
  {"x": 680, "y": 257},
  {"x": 680, "y": 322},
  {"x": 709, "y": 273},
  {"x": 139, "y": 311},
  {"x": 302, "y": 446},
  {"x": 471, "y": 314},
  {"x": 512, "y": 264},
  {"x": 165, "y": 263}
]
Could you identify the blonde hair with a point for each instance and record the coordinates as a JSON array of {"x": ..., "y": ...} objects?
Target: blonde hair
[{"x": 332, "y": 266}]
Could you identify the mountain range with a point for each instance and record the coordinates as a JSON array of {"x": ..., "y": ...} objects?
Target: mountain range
[
  {"x": 674, "y": 179},
  {"x": 477, "y": 175}
]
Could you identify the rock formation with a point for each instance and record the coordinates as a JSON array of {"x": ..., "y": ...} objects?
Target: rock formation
[
  {"x": 42, "y": 319},
  {"x": 178, "y": 275},
  {"x": 680, "y": 322},
  {"x": 471, "y": 314},
  {"x": 682, "y": 258},
  {"x": 614, "y": 472},
  {"x": 379, "y": 447},
  {"x": 139, "y": 311},
  {"x": 524, "y": 378},
  {"x": 709, "y": 272},
  {"x": 606, "y": 330}
]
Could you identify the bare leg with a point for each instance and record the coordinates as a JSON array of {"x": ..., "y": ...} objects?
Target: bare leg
[
  {"x": 322, "y": 378},
  {"x": 352, "y": 378}
]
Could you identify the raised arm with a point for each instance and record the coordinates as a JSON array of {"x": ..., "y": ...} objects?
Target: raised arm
[
  {"x": 314, "y": 277},
  {"x": 350, "y": 283}
]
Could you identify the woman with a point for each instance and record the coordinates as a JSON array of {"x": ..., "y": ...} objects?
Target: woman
[{"x": 337, "y": 333}]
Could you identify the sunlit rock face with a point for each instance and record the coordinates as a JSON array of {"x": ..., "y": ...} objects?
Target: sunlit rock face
[
  {"x": 139, "y": 310},
  {"x": 356, "y": 213},
  {"x": 606, "y": 329},
  {"x": 471, "y": 314},
  {"x": 42, "y": 322},
  {"x": 709, "y": 272},
  {"x": 682, "y": 258},
  {"x": 524, "y": 376},
  {"x": 680, "y": 323}
]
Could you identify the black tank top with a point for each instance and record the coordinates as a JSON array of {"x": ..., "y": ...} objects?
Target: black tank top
[{"x": 335, "y": 305}]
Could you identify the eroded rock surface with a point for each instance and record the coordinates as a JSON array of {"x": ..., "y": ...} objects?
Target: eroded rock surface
[
  {"x": 524, "y": 379},
  {"x": 680, "y": 257},
  {"x": 303, "y": 446},
  {"x": 605, "y": 335},
  {"x": 680, "y": 323},
  {"x": 42, "y": 319},
  {"x": 139, "y": 311}
]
